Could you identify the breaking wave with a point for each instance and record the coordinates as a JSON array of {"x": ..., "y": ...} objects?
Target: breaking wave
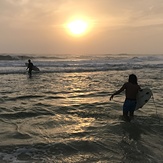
[{"x": 15, "y": 64}]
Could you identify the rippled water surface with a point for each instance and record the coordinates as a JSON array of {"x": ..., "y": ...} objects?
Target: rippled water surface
[{"x": 67, "y": 117}]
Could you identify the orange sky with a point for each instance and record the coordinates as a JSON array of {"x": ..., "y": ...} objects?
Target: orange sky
[{"x": 115, "y": 26}]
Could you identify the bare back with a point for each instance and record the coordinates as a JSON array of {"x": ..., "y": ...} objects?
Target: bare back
[{"x": 131, "y": 90}]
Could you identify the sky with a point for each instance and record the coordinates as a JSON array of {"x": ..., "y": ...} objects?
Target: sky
[{"x": 114, "y": 26}]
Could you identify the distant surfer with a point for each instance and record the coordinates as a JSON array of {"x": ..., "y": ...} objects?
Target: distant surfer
[
  {"x": 30, "y": 67},
  {"x": 131, "y": 89}
]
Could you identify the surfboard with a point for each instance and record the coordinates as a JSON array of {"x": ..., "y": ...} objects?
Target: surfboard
[
  {"x": 35, "y": 68},
  {"x": 143, "y": 97}
]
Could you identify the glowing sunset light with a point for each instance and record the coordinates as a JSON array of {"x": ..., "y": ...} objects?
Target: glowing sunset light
[
  {"x": 77, "y": 27},
  {"x": 81, "y": 26}
]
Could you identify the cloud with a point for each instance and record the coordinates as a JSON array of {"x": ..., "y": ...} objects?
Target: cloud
[
  {"x": 39, "y": 22},
  {"x": 104, "y": 12},
  {"x": 37, "y": 12}
]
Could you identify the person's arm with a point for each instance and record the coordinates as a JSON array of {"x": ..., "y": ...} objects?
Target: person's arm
[{"x": 118, "y": 92}]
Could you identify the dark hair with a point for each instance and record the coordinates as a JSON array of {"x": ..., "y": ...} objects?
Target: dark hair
[{"x": 133, "y": 79}]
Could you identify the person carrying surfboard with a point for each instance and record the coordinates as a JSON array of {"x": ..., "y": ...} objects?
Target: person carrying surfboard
[
  {"x": 30, "y": 67},
  {"x": 131, "y": 89}
]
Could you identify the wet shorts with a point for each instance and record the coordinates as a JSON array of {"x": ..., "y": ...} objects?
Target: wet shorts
[{"x": 129, "y": 105}]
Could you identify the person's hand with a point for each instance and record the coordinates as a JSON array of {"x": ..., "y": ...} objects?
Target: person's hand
[{"x": 111, "y": 97}]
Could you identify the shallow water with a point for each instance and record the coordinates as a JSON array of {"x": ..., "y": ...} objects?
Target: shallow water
[{"x": 67, "y": 117}]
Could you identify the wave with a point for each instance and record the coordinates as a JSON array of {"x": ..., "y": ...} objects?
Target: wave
[
  {"x": 85, "y": 69},
  {"x": 12, "y": 57},
  {"x": 54, "y": 64}
]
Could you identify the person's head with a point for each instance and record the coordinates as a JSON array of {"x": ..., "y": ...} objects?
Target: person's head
[
  {"x": 133, "y": 79},
  {"x": 29, "y": 60}
]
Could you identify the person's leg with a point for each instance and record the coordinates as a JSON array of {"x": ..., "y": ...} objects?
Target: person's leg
[
  {"x": 132, "y": 109},
  {"x": 131, "y": 114},
  {"x": 128, "y": 109},
  {"x": 125, "y": 116},
  {"x": 30, "y": 73}
]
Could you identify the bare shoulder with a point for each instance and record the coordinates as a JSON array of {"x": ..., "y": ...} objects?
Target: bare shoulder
[
  {"x": 126, "y": 84},
  {"x": 130, "y": 85}
]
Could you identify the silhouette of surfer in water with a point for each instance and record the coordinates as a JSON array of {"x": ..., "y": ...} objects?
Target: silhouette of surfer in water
[
  {"x": 30, "y": 67},
  {"x": 131, "y": 89}
]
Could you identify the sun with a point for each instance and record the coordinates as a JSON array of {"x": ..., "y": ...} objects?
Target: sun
[{"x": 77, "y": 27}]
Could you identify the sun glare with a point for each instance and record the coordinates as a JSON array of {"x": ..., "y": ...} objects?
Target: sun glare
[{"x": 77, "y": 27}]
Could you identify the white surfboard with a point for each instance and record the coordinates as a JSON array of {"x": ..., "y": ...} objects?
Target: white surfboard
[
  {"x": 35, "y": 68},
  {"x": 143, "y": 97}
]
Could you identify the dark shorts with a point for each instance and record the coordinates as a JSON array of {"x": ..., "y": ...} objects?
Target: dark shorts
[{"x": 129, "y": 105}]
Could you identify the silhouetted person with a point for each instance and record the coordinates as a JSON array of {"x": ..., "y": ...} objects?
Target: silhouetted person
[
  {"x": 30, "y": 67},
  {"x": 131, "y": 89}
]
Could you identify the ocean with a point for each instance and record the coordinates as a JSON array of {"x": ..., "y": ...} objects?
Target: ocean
[{"x": 63, "y": 114}]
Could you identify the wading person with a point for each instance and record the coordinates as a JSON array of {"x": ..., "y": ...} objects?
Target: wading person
[
  {"x": 131, "y": 89},
  {"x": 30, "y": 67}
]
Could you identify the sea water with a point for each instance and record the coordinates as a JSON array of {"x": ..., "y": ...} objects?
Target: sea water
[{"x": 63, "y": 114}]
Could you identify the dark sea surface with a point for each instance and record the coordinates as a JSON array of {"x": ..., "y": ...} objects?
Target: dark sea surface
[{"x": 62, "y": 114}]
